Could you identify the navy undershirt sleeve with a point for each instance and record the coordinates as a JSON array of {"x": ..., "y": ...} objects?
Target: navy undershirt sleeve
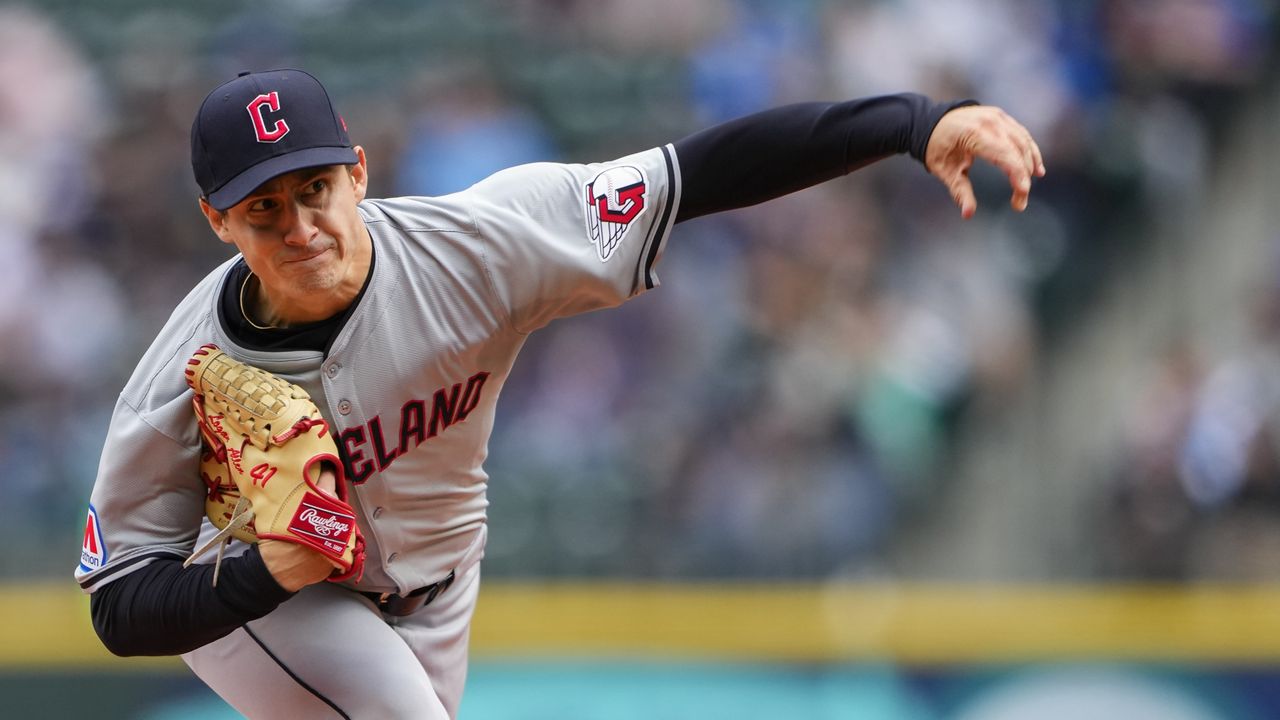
[
  {"x": 166, "y": 609},
  {"x": 776, "y": 152}
]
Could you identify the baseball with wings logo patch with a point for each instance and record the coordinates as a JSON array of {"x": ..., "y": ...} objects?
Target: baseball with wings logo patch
[{"x": 615, "y": 198}]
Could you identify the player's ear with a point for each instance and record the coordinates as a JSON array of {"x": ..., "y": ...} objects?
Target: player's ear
[
  {"x": 359, "y": 174},
  {"x": 217, "y": 220}
]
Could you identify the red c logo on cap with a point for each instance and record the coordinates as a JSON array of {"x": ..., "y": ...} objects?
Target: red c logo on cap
[{"x": 272, "y": 101}]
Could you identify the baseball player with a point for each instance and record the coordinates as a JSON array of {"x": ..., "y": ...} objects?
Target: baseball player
[{"x": 387, "y": 327}]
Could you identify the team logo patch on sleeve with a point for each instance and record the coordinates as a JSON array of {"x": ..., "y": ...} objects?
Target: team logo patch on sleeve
[
  {"x": 93, "y": 552},
  {"x": 615, "y": 198}
]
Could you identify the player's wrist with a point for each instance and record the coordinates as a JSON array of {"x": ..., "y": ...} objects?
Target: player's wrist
[{"x": 294, "y": 566}]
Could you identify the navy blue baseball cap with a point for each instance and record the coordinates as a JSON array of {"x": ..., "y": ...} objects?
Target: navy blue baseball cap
[{"x": 260, "y": 125}]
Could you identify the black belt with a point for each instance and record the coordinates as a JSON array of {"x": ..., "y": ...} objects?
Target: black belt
[{"x": 401, "y": 605}]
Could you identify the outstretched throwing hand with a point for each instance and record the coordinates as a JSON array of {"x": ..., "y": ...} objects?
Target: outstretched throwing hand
[{"x": 989, "y": 133}]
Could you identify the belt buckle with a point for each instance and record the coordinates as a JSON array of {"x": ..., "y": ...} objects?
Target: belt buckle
[
  {"x": 401, "y": 605},
  {"x": 434, "y": 590}
]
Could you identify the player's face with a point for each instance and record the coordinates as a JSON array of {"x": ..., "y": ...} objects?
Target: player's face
[{"x": 301, "y": 234}]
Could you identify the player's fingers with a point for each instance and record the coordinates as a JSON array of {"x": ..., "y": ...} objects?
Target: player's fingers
[
  {"x": 1005, "y": 132},
  {"x": 1021, "y": 195},
  {"x": 1034, "y": 162},
  {"x": 1008, "y": 157},
  {"x": 962, "y": 194},
  {"x": 1028, "y": 153},
  {"x": 1039, "y": 156},
  {"x": 1005, "y": 143},
  {"x": 1031, "y": 150},
  {"x": 327, "y": 482},
  {"x": 1019, "y": 136}
]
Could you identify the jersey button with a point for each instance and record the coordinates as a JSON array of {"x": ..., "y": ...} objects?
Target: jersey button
[
  {"x": 344, "y": 407},
  {"x": 392, "y": 557},
  {"x": 377, "y": 512},
  {"x": 332, "y": 370}
]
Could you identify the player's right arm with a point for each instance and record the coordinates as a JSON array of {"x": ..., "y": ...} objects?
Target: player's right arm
[
  {"x": 771, "y": 153},
  {"x": 561, "y": 239}
]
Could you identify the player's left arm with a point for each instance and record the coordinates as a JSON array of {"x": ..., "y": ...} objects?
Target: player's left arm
[{"x": 775, "y": 152}]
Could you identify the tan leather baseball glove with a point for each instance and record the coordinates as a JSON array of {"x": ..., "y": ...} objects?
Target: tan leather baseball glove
[{"x": 265, "y": 444}]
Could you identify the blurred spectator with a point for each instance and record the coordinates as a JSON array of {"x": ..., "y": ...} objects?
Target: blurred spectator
[
  {"x": 759, "y": 56},
  {"x": 1151, "y": 519},
  {"x": 1230, "y": 459},
  {"x": 57, "y": 305},
  {"x": 461, "y": 131},
  {"x": 1197, "y": 491}
]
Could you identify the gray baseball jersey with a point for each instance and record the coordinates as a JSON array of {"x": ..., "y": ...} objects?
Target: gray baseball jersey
[{"x": 409, "y": 384}]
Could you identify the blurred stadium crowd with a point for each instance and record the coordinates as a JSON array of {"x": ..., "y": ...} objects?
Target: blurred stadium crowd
[{"x": 789, "y": 397}]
